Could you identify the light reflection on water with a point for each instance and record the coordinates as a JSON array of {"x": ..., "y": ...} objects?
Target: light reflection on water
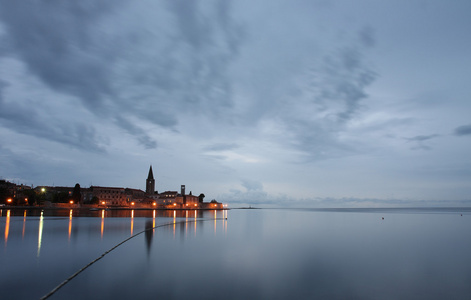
[{"x": 263, "y": 254}]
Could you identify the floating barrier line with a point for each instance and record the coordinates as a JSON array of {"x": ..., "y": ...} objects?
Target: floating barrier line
[{"x": 114, "y": 247}]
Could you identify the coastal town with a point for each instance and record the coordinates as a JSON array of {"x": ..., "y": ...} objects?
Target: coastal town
[{"x": 12, "y": 194}]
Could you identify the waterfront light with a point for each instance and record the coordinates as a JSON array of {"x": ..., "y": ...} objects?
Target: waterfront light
[
  {"x": 174, "y": 204},
  {"x": 154, "y": 204},
  {"x": 132, "y": 203},
  {"x": 9, "y": 200},
  {"x": 102, "y": 202},
  {"x": 43, "y": 190},
  {"x": 71, "y": 201}
]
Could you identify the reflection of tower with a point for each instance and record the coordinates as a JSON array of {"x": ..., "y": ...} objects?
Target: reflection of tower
[
  {"x": 149, "y": 235},
  {"x": 150, "y": 182}
]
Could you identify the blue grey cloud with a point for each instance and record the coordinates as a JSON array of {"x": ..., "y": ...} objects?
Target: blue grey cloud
[
  {"x": 26, "y": 120},
  {"x": 421, "y": 138},
  {"x": 463, "y": 130},
  {"x": 420, "y": 141},
  {"x": 332, "y": 91},
  {"x": 153, "y": 74},
  {"x": 221, "y": 147},
  {"x": 142, "y": 136},
  {"x": 252, "y": 185},
  {"x": 55, "y": 40}
]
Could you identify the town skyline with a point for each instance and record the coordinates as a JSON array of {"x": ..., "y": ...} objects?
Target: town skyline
[{"x": 103, "y": 196}]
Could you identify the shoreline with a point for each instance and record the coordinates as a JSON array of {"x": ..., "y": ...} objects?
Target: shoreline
[{"x": 104, "y": 208}]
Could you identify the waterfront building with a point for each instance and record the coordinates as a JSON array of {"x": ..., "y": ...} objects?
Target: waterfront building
[{"x": 111, "y": 196}]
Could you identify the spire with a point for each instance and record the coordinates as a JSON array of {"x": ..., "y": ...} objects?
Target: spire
[
  {"x": 151, "y": 175},
  {"x": 150, "y": 182}
]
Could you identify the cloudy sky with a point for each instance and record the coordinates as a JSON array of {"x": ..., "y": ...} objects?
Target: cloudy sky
[{"x": 281, "y": 103}]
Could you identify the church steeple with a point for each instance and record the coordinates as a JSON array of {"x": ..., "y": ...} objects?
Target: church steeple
[
  {"x": 150, "y": 182},
  {"x": 151, "y": 174}
]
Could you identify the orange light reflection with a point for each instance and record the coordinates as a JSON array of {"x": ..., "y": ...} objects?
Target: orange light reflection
[
  {"x": 132, "y": 221},
  {"x": 174, "y": 222},
  {"x": 102, "y": 222},
  {"x": 7, "y": 227},
  {"x": 24, "y": 225},
  {"x": 195, "y": 222},
  {"x": 70, "y": 223},
  {"x": 153, "y": 222}
]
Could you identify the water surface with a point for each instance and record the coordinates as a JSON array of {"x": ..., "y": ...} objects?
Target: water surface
[{"x": 254, "y": 253}]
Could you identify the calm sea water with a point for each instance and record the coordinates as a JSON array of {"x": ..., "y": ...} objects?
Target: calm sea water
[{"x": 253, "y": 254}]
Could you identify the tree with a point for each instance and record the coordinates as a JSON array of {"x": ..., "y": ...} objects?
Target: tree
[
  {"x": 4, "y": 195},
  {"x": 31, "y": 195},
  {"x": 60, "y": 197},
  {"x": 76, "y": 195},
  {"x": 201, "y": 197},
  {"x": 95, "y": 200}
]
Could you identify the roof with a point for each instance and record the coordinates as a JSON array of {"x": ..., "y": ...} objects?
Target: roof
[{"x": 151, "y": 174}]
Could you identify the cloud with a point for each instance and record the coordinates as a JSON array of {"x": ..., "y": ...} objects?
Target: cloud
[
  {"x": 252, "y": 185},
  {"x": 222, "y": 147},
  {"x": 25, "y": 119},
  {"x": 253, "y": 193},
  {"x": 421, "y": 138},
  {"x": 237, "y": 198},
  {"x": 54, "y": 39},
  {"x": 463, "y": 130},
  {"x": 141, "y": 135},
  {"x": 173, "y": 61},
  {"x": 367, "y": 37},
  {"x": 327, "y": 96}
]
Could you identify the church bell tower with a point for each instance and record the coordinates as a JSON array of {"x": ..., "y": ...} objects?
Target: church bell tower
[{"x": 150, "y": 182}]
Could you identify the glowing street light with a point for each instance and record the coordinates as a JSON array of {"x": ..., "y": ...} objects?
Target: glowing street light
[
  {"x": 9, "y": 200},
  {"x": 43, "y": 190},
  {"x": 71, "y": 201}
]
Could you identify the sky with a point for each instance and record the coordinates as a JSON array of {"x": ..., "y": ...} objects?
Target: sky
[{"x": 305, "y": 103}]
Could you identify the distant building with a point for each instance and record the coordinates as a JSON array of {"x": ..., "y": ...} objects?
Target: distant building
[{"x": 110, "y": 196}]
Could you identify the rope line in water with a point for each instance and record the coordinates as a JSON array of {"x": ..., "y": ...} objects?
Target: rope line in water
[{"x": 114, "y": 247}]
